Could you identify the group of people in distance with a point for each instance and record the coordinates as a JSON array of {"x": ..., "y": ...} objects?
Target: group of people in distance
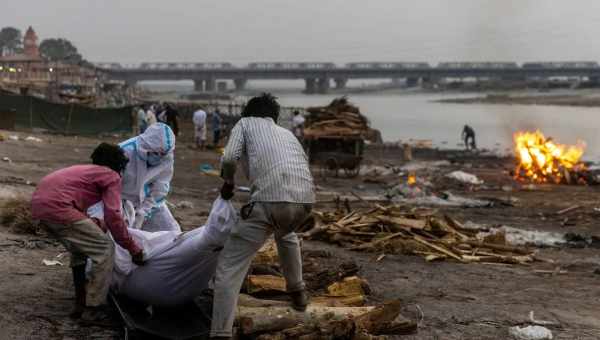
[
  {"x": 113, "y": 214},
  {"x": 166, "y": 113}
]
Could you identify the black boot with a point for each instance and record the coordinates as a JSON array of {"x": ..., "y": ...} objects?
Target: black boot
[
  {"x": 299, "y": 300},
  {"x": 79, "y": 283}
]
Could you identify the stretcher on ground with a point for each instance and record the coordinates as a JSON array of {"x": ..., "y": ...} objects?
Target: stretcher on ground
[{"x": 191, "y": 321}]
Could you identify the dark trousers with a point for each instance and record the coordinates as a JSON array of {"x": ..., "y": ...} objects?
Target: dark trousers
[
  {"x": 174, "y": 124},
  {"x": 216, "y": 137},
  {"x": 470, "y": 142}
]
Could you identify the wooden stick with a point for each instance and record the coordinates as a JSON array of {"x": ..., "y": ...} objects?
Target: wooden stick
[
  {"x": 361, "y": 199},
  {"x": 566, "y": 210},
  {"x": 500, "y": 247},
  {"x": 438, "y": 248},
  {"x": 376, "y": 242}
]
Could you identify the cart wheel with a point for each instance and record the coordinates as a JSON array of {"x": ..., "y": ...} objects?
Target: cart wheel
[
  {"x": 330, "y": 167},
  {"x": 352, "y": 172}
]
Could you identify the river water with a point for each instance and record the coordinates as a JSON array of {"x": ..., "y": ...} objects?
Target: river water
[
  {"x": 418, "y": 116},
  {"x": 412, "y": 115}
]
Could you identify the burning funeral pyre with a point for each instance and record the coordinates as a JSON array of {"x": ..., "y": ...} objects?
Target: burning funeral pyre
[{"x": 542, "y": 160}]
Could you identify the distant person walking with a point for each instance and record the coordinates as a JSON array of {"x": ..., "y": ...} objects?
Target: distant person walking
[
  {"x": 141, "y": 120},
  {"x": 199, "y": 120},
  {"x": 217, "y": 120},
  {"x": 150, "y": 117},
  {"x": 298, "y": 125},
  {"x": 468, "y": 135},
  {"x": 172, "y": 118}
]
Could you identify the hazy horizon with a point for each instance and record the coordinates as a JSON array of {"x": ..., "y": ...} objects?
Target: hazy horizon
[{"x": 335, "y": 30}]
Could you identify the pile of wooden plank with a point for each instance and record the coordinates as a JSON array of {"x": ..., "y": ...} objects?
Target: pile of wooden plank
[
  {"x": 337, "y": 306},
  {"x": 271, "y": 320},
  {"x": 400, "y": 230},
  {"x": 338, "y": 119}
]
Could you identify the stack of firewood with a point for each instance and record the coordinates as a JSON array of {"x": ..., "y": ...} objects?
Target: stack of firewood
[
  {"x": 398, "y": 230},
  {"x": 338, "y": 119},
  {"x": 337, "y": 306}
]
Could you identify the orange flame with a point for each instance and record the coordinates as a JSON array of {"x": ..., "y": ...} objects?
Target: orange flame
[
  {"x": 412, "y": 179},
  {"x": 542, "y": 160}
]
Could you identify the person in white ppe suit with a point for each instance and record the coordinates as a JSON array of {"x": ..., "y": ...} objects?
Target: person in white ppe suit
[{"x": 146, "y": 180}]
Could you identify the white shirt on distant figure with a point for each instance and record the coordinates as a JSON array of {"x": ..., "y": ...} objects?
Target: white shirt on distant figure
[
  {"x": 199, "y": 120},
  {"x": 298, "y": 125}
]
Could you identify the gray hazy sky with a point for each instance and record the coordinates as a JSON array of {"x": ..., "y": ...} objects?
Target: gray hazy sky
[{"x": 320, "y": 30}]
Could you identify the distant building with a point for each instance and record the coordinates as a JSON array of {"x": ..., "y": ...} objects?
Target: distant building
[
  {"x": 30, "y": 70},
  {"x": 30, "y": 44}
]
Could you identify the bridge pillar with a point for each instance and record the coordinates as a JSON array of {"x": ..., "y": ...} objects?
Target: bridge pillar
[
  {"x": 340, "y": 83},
  {"x": 210, "y": 85},
  {"x": 412, "y": 82},
  {"x": 311, "y": 85},
  {"x": 240, "y": 84},
  {"x": 323, "y": 85},
  {"x": 594, "y": 80},
  {"x": 430, "y": 81},
  {"x": 199, "y": 85},
  {"x": 130, "y": 82}
]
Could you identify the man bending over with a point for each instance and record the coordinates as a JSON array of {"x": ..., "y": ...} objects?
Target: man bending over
[
  {"x": 60, "y": 202},
  {"x": 281, "y": 200}
]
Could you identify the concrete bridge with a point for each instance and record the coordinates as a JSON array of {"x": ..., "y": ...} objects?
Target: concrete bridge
[{"x": 319, "y": 76}]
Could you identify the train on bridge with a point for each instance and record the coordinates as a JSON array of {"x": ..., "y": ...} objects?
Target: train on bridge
[
  {"x": 351, "y": 66},
  {"x": 319, "y": 77}
]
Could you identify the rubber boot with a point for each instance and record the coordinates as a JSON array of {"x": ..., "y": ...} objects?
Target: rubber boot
[
  {"x": 79, "y": 283},
  {"x": 299, "y": 300}
]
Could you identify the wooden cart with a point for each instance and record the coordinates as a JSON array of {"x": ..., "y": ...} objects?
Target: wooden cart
[{"x": 335, "y": 153}]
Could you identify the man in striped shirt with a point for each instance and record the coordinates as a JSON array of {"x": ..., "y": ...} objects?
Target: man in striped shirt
[{"x": 281, "y": 200}]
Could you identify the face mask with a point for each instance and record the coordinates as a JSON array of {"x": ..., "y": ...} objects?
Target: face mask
[{"x": 153, "y": 159}]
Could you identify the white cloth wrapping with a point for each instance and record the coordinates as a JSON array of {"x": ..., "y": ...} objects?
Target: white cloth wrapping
[
  {"x": 147, "y": 187},
  {"x": 298, "y": 125},
  {"x": 178, "y": 265}
]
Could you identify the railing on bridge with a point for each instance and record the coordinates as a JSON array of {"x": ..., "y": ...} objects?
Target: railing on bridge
[
  {"x": 291, "y": 65},
  {"x": 387, "y": 65},
  {"x": 352, "y": 66}
]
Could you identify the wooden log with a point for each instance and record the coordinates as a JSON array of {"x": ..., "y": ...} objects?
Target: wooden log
[
  {"x": 372, "y": 320},
  {"x": 254, "y": 320},
  {"x": 261, "y": 324},
  {"x": 349, "y": 286},
  {"x": 385, "y": 320},
  {"x": 339, "y": 301},
  {"x": 335, "y": 329},
  {"x": 267, "y": 254},
  {"x": 324, "y": 278},
  {"x": 265, "y": 284},
  {"x": 399, "y": 326},
  {"x": 246, "y": 300}
]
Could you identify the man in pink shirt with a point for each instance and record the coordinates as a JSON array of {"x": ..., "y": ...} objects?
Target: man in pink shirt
[{"x": 60, "y": 202}]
